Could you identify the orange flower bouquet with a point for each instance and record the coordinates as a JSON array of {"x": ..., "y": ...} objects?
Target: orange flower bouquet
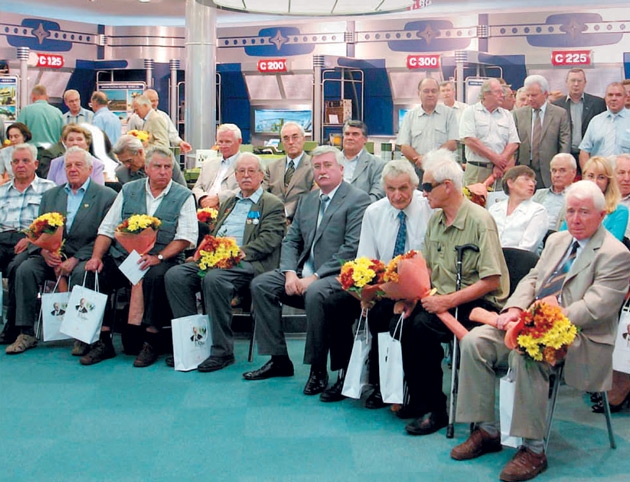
[
  {"x": 542, "y": 332},
  {"x": 478, "y": 193},
  {"x": 46, "y": 232},
  {"x": 214, "y": 252},
  {"x": 362, "y": 277},
  {"x": 138, "y": 232},
  {"x": 142, "y": 136}
]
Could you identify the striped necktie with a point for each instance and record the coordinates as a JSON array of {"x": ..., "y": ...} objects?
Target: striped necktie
[
  {"x": 553, "y": 285},
  {"x": 536, "y": 138},
  {"x": 289, "y": 173}
]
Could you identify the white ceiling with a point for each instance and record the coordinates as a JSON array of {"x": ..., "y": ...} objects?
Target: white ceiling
[{"x": 172, "y": 12}]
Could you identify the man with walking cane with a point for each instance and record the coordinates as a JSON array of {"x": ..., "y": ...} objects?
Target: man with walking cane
[{"x": 457, "y": 222}]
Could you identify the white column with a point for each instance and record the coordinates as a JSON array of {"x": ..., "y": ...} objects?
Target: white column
[{"x": 201, "y": 102}]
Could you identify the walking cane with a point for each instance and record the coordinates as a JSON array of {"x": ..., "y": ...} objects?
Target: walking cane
[{"x": 450, "y": 429}]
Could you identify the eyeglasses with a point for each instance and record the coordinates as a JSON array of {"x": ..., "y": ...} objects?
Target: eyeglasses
[{"x": 428, "y": 187}]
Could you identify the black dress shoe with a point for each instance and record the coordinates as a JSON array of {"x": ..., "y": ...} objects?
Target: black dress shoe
[
  {"x": 375, "y": 400},
  {"x": 214, "y": 363},
  {"x": 410, "y": 411},
  {"x": 333, "y": 394},
  {"x": 317, "y": 382},
  {"x": 9, "y": 334},
  {"x": 271, "y": 369},
  {"x": 430, "y": 423},
  {"x": 170, "y": 361}
]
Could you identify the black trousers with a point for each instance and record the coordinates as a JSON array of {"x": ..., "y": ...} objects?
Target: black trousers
[{"x": 422, "y": 336}]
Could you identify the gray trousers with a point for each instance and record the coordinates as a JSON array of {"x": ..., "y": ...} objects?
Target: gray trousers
[
  {"x": 481, "y": 351},
  {"x": 218, "y": 287},
  {"x": 268, "y": 295}
]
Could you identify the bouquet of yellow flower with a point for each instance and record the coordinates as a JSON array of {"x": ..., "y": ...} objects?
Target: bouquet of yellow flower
[
  {"x": 213, "y": 252},
  {"x": 208, "y": 216},
  {"x": 478, "y": 193},
  {"x": 543, "y": 333},
  {"x": 142, "y": 136},
  {"x": 46, "y": 232},
  {"x": 357, "y": 275},
  {"x": 138, "y": 232},
  {"x": 6, "y": 143}
]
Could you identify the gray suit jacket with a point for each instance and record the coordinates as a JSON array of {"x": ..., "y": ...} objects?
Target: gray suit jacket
[
  {"x": 592, "y": 293},
  {"x": 367, "y": 175},
  {"x": 335, "y": 240},
  {"x": 556, "y": 138},
  {"x": 301, "y": 182},
  {"x": 209, "y": 171},
  {"x": 593, "y": 105},
  {"x": 79, "y": 241}
]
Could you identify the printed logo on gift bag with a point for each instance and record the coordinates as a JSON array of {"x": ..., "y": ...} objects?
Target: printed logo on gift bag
[
  {"x": 83, "y": 308},
  {"x": 199, "y": 335}
]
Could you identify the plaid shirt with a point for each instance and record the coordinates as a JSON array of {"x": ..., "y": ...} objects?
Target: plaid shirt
[{"x": 19, "y": 209}]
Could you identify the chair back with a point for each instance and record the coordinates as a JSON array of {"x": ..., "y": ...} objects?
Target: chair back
[{"x": 519, "y": 263}]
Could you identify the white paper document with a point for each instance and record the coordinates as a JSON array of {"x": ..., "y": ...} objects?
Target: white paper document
[{"x": 131, "y": 269}]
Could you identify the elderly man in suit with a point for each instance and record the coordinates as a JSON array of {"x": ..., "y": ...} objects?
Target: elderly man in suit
[
  {"x": 580, "y": 106},
  {"x": 360, "y": 168},
  {"x": 152, "y": 122},
  {"x": 595, "y": 281},
  {"x": 292, "y": 176},
  {"x": 429, "y": 126},
  {"x": 543, "y": 129},
  {"x": 174, "y": 206},
  {"x": 255, "y": 219},
  {"x": 84, "y": 204},
  {"x": 325, "y": 232},
  {"x": 217, "y": 181}
]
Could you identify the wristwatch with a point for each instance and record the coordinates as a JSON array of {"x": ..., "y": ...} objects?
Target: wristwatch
[{"x": 160, "y": 257}]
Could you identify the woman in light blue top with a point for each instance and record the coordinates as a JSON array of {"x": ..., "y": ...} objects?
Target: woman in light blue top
[
  {"x": 17, "y": 133},
  {"x": 599, "y": 170}
]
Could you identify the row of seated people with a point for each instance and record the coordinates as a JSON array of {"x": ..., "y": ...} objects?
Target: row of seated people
[{"x": 330, "y": 223}]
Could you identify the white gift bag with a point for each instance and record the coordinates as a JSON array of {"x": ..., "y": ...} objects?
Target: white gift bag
[
  {"x": 391, "y": 374},
  {"x": 357, "y": 374},
  {"x": 506, "y": 408},
  {"x": 54, "y": 306},
  {"x": 621, "y": 355},
  {"x": 192, "y": 341},
  {"x": 84, "y": 313}
]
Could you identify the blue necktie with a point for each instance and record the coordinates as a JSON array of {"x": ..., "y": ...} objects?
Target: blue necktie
[
  {"x": 401, "y": 237},
  {"x": 323, "y": 204},
  {"x": 553, "y": 285}
]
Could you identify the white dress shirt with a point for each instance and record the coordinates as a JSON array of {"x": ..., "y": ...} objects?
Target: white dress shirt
[
  {"x": 380, "y": 227},
  {"x": 525, "y": 228}
]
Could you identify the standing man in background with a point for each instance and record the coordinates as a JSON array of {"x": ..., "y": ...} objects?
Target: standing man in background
[
  {"x": 581, "y": 108},
  {"x": 152, "y": 122},
  {"x": 360, "y": 168},
  {"x": 43, "y": 120},
  {"x": 104, "y": 118},
  {"x": 428, "y": 127},
  {"x": 76, "y": 114}
]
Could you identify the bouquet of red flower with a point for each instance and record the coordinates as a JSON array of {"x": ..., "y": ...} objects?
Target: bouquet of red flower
[
  {"x": 138, "y": 232},
  {"x": 208, "y": 216},
  {"x": 46, "y": 232},
  {"x": 478, "y": 193},
  {"x": 362, "y": 277},
  {"x": 213, "y": 252}
]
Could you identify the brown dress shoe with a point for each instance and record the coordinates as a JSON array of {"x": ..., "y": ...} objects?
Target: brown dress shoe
[
  {"x": 478, "y": 444},
  {"x": 524, "y": 465}
]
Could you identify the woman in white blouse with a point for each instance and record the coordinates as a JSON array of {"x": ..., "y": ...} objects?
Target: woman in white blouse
[{"x": 521, "y": 222}]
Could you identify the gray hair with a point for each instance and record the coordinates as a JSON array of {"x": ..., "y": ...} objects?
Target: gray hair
[
  {"x": 142, "y": 100},
  {"x": 293, "y": 124},
  {"x": 537, "y": 80},
  {"x": 129, "y": 144},
  {"x": 248, "y": 155},
  {"x": 25, "y": 147},
  {"x": 321, "y": 150},
  {"x": 233, "y": 128},
  {"x": 487, "y": 86},
  {"x": 442, "y": 165},
  {"x": 621, "y": 156},
  {"x": 357, "y": 124},
  {"x": 70, "y": 92},
  {"x": 159, "y": 150},
  {"x": 447, "y": 82},
  {"x": 400, "y": 167},
  {"x": 585, "y": 190},
  {"x": 87, "y": 157},
  {"x": 563, "y": 156}
]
